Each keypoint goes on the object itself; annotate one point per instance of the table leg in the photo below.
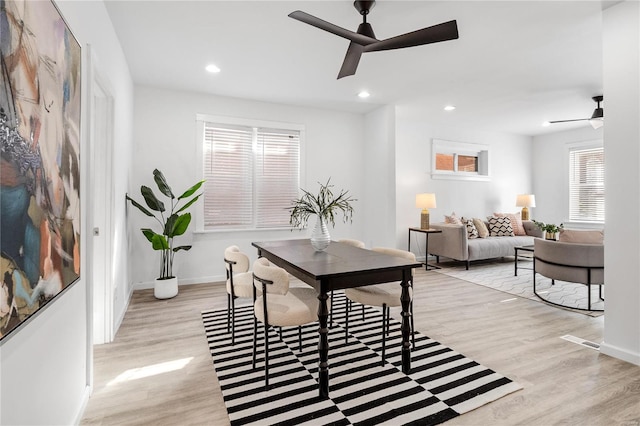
(405, 299)
(323, 344)
(515, 262)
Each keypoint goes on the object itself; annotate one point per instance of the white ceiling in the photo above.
(515, 65)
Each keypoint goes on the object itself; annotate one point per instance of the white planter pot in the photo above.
(165, 289)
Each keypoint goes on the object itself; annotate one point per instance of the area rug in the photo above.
(499, 275)
(443, 383)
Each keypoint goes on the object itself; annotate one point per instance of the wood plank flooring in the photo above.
(159, 371)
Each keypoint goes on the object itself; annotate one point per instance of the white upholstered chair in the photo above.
(279, 305)
(239, 283)
(384, 295)
(354, 243)
(574, 262)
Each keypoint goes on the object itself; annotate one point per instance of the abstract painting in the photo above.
(39, 161)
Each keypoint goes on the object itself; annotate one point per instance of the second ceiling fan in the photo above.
(597, 118)
(364, 40)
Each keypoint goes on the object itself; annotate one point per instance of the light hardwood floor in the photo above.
(159, 371)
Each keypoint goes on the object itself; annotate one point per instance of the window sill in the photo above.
(247, 230)
(482, 178)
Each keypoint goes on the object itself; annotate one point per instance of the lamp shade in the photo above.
(426, 201)
(526, 200)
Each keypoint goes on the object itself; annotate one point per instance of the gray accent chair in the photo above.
(570, 262)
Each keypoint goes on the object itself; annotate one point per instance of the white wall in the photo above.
(551, 172)
(45, 367)
(622, 154)
(510, 169)
(379, 176)
(165, 135)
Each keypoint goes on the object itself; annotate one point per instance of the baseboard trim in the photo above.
(83, 404)
(186, 281)
(620, 353)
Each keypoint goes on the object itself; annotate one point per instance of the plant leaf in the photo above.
(189, 192)
(181, 224)
(159, 242)
(151, 199)
(163, 186)
(148, 233)
(193, 200)
(139, 206)
(185, 248)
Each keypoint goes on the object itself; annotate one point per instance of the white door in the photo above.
(100, 204)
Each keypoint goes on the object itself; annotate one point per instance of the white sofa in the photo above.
(454, 244)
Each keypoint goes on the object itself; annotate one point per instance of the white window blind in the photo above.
(277, 171)
(586, 185)
(252, 175)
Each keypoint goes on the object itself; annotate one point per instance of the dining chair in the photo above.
(354, 243)
(278, 304)
(385, 295)
(239, 283)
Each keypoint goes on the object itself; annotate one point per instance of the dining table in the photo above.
(337, 267)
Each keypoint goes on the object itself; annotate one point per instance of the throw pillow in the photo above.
(483, 232)
(500, 227)
(472, 231)
(516, 222)
(581, 237)
(453, 219)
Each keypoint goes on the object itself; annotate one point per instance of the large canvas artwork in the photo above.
(39, 164)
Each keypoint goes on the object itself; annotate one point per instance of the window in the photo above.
(252, 173)
(455, 160)
(586, 184)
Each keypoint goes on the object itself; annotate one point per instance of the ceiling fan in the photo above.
(364, 40)
(597, 118)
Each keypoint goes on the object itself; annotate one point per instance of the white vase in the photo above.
(320, 237)
(165, 289)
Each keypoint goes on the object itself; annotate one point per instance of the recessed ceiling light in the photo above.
(212, 68)
(449, 108)
(546, 124)
(364, 94)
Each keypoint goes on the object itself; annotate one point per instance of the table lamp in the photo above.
(524, 201)
(425, 202)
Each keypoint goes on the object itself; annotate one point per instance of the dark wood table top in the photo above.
(340, 265)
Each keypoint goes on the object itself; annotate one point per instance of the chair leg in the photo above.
(362, 312)
(600, 292)
(266, 356)
(331, 311)
(255, 340)
(347, 307)
(384, 331)
(228, 312)
(299, 338)
(233, 321)
(413, 328)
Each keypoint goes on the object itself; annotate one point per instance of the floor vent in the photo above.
(580, 341)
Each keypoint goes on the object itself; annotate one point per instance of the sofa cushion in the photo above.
(516, 222)
(453, 219)
(581, 236)
(494, 247)
(483, 232)
(472, 231)
(500, 227)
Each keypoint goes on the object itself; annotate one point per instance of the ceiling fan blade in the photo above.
(333, 29)
(437, 33)
(568, 121)
(351, 60)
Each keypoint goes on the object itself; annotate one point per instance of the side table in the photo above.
(528, 249)
(426, 232)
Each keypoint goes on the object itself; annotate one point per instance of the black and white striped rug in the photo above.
(442, 385)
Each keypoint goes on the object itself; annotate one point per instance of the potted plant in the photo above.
(325, 205)
(550, 229)
(173, 222)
